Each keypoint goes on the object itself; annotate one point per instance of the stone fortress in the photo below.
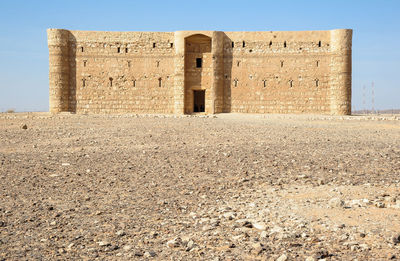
(208, 72)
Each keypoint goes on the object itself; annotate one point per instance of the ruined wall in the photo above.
(153, 72)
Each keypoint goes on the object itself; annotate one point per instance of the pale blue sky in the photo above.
(24, 53)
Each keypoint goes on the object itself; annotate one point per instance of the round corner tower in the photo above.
(58, 69)
(340, 79)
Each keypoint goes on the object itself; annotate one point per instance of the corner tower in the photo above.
(58, 70)
(340, 77)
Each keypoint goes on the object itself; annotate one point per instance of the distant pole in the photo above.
(373, 98)
(364, 106)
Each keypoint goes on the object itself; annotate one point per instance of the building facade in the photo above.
(209, 72)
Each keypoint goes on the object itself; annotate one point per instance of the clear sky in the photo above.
(24, 53)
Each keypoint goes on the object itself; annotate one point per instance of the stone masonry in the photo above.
(187, 72)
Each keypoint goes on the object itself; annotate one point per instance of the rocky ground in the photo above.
(224, 187)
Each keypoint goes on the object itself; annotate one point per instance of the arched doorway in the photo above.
(198, 73)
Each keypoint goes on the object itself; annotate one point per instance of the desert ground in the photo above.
(217, 187)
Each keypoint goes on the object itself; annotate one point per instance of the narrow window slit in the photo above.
(244, 44)
(119, 49)
(82, 49)
(235, 82)
(233, 44)
(111, 81)
(159, 82)
(126, 50)
(83, 82)
(319, 44)
(84, 63)
(281, 64)
(284, 44)
(270, 44)
(316, 82)
(171, 45)
(134, 82)
(291, 83)
(317, 63)
(154, 45)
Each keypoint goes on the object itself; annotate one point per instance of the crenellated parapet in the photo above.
(340, 76)
(59, 71)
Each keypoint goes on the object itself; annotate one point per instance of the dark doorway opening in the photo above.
(199, 62)
(199, 98)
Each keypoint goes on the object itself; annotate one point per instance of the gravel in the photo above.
(221, 187)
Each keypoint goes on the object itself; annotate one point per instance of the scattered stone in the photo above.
(336, 202)
(24, 127)
(121, 233)
(260, 226)
(283, 257)
(149, 254)
(176, 242)
(127, 248)
(138, 253)
(104, 243)
(257, 248)
(264, 234)
(396, 239)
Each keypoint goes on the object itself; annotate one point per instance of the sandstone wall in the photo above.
(155, 72)
(278, 72)
(120, 72)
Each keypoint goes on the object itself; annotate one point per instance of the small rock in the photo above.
(104, 243)
(176, 242)
(70, 246)
(127, 248)
(229, 215)
(260, 226)
(283, 257)
(257, 248)
(247, 224)
(121, 233)
(264, 234)
(139, 253)
(149, 254)
(336, 202)
(24, 127)
(396, 239)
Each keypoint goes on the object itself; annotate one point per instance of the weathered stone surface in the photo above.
(200, 71)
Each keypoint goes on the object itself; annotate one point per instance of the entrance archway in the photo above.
(198, 73)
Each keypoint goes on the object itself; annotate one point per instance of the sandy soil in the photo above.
(224, 187)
